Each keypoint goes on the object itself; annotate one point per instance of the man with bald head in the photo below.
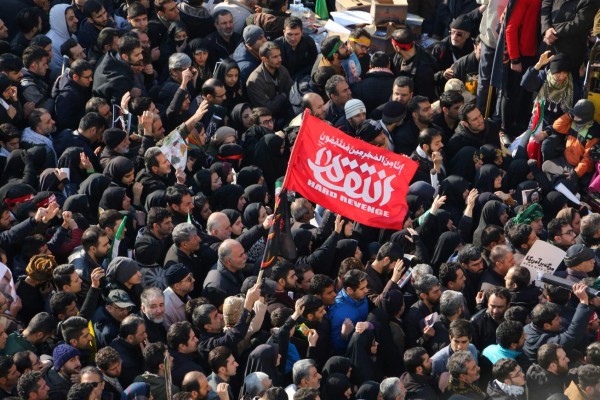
(196, 384)
(315, 104)
(227, 274)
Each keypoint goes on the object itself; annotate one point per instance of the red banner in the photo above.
(350, 177)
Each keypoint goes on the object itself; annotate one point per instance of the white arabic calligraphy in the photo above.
(332, 172)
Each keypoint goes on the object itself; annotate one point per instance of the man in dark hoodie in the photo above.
(509, 382)
(550, 374)
(417, 379)
(70, 93)
(114, 74)
(473, 130)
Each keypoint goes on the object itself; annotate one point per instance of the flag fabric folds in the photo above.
(280, 241)
(365, 183)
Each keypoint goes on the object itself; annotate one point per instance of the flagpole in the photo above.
(287, 172)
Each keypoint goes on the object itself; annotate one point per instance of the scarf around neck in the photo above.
(557, 95)
(511, 390)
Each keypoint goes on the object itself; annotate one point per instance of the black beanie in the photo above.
(113, 137)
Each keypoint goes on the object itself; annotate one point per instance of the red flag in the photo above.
(280, 241)
(350, 177)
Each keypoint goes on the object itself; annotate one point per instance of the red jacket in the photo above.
(522, 29)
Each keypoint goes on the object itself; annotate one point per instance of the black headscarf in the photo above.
(112, 198)
(93, 187)
(202, 182)
(368, 391)
(336, 385)
(463, 164)
(345, 248)
(453, 188)
(236, 116)
(485, 177)
(232, 215)
(248, 176)
(336, 364)
(71, 158)
(251, 214)
(256, 193)
(302, 239)
(117, 168)
(516, 172)
(15, 167)
(553, 202)
(155, 199)
(49, 181)
(268, 158)
(264, 359)
(226, 196)
(359, 352)
(79, 203)
(444, 248)
(489, 153)
(490, 215)
(222, 169)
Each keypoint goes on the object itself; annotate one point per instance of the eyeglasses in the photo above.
(267, 122)
(189, 278)
(569, 232)
(457, 33)
(95, 384)
(86, 77)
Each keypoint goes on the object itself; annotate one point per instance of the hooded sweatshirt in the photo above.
(58, 33)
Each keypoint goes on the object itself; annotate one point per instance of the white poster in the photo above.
(543, 257)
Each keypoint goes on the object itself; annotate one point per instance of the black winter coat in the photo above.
(112, 78)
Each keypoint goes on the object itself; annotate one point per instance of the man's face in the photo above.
(458, 37)
(238, 257)
(224, 229)
(186, 285)
(75, 285)
(517, 377)
(43, 389)
(6, 220)
(96, 380)
(224, 25)
(292, 36)
(320, 313)
(117, 312)
(165, 228)
(140, 22)
(505, 264)
(360, 292)
(77, 53)
(114, 370)
(71, 21)
(170, 12)
(497, 306)
(3, 30)
(436, 144)
(71, 310)
(73, 366)
(343, 93)
(328, 295)
(194, 243)
(433, 297)
(274, 60)
(40, 67)
(155, 309)
(459, 284)
(216, 322)
(532, 238)
(86, 78)
(567, 236)
(357, 119)
(475, 266)
(460, 343)
(140, 335)
(452, 111)
(401, 94)
(84, 340)
(266, 121)
(317, 107)
(164, 166)
(220, 95)
(425, 114)
(291, 279)
(12, 144)
(563, 362)
(314, 378)
(204, 387)
(46, 125)
(135, 57)
(102, 247)
(192, 344)
(306, 279)
(231, 366)
(427, 365)
(3, 337)
(475, 121)
(361, 46)
(472, 374)
(343, 52)
(99, 19)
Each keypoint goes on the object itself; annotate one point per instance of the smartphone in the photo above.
(405, 278)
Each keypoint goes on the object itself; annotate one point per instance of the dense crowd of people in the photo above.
(123, 276)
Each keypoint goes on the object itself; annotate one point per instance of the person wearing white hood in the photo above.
(63, 26)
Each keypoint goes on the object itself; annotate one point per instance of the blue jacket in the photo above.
(345, 307)
(494, 352)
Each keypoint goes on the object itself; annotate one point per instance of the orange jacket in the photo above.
(576, 153)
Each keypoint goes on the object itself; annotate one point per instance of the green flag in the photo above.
(114, 248)
(321, 9)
